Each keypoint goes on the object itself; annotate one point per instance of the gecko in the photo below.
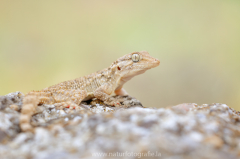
(100, 85)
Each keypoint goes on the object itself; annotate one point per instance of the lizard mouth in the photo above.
(154, 63)
(148, 65)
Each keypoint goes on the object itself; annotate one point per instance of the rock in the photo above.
(11, 98)
(129, 131)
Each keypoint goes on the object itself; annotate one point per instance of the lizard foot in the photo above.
(69, 105)
(113, 102)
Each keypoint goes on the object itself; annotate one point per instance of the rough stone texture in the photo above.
(181, 132)
(11, 98)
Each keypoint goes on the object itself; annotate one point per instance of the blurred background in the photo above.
(198, 43)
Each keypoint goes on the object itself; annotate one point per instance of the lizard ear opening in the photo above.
(119, 68)
(135, 57)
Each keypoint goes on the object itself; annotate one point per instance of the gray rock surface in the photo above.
(130, 131)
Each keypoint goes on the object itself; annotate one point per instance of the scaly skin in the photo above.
(100, 85)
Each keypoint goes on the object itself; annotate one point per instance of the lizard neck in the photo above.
(122, 80)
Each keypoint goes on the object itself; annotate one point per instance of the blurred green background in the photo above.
(197, 41)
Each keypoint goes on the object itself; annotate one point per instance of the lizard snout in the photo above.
(156, 61)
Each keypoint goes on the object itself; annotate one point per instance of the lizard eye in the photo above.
(135, 57)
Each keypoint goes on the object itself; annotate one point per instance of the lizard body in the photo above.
(100, 85)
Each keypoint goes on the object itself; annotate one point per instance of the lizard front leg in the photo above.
(121, 92)
(103, 93)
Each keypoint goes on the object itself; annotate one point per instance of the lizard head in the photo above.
(134, 64)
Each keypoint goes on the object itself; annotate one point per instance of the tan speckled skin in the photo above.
(100, 84)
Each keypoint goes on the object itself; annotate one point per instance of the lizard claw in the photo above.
(113, 103)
